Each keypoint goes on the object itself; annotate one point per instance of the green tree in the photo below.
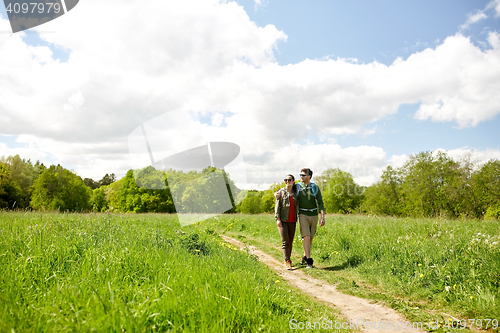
(251, 203)
(486, 187)
(210, 191)
(149, 193)
(10, 192)
(340, 192)
(107, 179)
(431, 185)
(91, 183)
(384, 197)
(268, 200)
(112, 193)
(99, 202)
(59, 188)
(23, 173)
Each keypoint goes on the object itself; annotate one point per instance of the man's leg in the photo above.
(313, 222)
(305, 231)
(307, 246)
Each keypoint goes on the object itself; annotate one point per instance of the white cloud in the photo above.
(473, 18)
(208, 55)
(478, 157)
(259, 3)
(365, 163)
(217, 119)
(479, 15)
(27, 152)
(494, 4)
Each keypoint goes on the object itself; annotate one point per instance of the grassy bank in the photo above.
(136, 273)
(441, 266)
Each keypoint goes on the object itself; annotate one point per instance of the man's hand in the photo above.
(322, 220)
(278, 223)
(277, 195)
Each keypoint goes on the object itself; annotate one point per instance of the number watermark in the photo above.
(26, 14)
(452, 323)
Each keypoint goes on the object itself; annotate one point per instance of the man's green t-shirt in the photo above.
(308, 204)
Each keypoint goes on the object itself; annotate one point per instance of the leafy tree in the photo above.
(384, 197)
(486, 187)
(340, 192)
(431, 185)
(23, 173)
(107, 179)
(99, 202)
(112, 193)
(59, 188)
(251, 203)
(91, 183)
(268, 200)
(148, 196)
(10, 192)
(205, 192)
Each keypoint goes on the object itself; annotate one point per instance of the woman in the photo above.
(285, 212)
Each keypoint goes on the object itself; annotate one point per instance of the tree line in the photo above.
(429, 184)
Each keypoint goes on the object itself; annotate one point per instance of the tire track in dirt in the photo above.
(352, 308)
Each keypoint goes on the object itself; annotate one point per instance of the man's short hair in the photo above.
(307, 172)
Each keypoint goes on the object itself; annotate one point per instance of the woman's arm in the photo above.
(277, 210)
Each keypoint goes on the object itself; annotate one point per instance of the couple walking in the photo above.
(302, 200)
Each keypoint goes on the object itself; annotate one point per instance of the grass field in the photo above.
(136, 273)
(425, 268)
(143, 273)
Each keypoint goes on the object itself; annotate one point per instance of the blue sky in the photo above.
(382, 31)
(365, 30)
(357, 84)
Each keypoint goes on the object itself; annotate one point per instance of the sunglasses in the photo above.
(288, 180)
(302, 175)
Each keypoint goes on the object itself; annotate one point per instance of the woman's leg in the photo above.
(284, 238)
(291, 236)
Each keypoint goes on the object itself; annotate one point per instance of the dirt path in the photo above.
(358, 310)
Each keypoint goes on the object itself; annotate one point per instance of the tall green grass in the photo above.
(453, 264)
(135, 273)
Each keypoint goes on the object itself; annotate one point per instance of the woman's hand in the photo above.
(278, 223)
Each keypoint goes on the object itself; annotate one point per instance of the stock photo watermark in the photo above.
(451, 323)
(204, 176)
(26, 14)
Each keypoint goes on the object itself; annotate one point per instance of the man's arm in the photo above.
(321, 206)
(322, 220)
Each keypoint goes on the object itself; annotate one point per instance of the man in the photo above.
(310, 202)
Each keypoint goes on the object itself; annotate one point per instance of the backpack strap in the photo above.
(313, 188)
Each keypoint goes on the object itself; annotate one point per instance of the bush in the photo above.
(492, 213)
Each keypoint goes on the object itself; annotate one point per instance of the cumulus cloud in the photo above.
(477, 157)
(208, 56)
(28, 152)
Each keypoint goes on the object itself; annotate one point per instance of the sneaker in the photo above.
(310, 262)
(289, 265)
(304, 260)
